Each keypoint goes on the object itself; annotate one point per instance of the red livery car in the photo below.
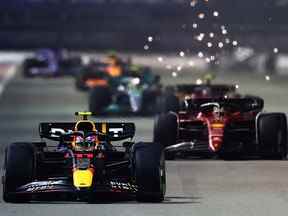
(222, 127)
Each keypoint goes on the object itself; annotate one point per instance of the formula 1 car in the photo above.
(85, 165)
(228, 128)
(174, 97)
(120, 88)
(113, 66)
(127, 95)
(48, 63)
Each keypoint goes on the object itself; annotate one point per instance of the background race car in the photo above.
(227, 128)
(112, 66)
(50, 63)
(118, 87)
(88, 164)
(130, 94)
(174, 96)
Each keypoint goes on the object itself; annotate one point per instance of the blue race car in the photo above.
(50, 63)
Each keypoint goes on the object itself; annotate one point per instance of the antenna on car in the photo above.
(83, 115)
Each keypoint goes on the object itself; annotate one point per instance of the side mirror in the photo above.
(253, 103)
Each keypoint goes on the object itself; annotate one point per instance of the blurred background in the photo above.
(253, 32)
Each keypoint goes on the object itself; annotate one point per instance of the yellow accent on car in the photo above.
(217, 125)
(104, 128)
(82, 178)
(114, 71)
(83, 113)
(86, 122)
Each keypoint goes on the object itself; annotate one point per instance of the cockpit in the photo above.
(85, 136)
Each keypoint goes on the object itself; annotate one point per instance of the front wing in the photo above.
(53, 187)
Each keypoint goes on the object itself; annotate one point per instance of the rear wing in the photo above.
(216, 89)
(245, 104)
(114, 131)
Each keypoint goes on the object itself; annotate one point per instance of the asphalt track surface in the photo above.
(195, 187)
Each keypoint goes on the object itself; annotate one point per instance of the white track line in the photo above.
(7, 76)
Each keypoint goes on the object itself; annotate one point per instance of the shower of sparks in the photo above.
(199, 38)
(214, 41)
(215, 13)
(174, 74)
(146, 47)
(220, 45)
(179, 68)
(150, 39)
(224, 32)
(200, 54)
(199, 82)
(193, 3)
(201, 15)
(235, 43)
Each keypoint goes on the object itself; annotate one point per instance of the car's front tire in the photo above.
(150, 173)
(19, 167)
(169, 102)
(99, 99)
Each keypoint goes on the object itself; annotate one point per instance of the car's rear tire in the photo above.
(99, 99)
(149, 101)
(272, 134)
(80, 82)
(19, 167)
(27, 64)
(169, 102)
(165, 132)
(150, 173)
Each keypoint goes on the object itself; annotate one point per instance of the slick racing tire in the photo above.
(165, 132)
(148, 103)
(169, 102)
(165, 129)
(150, 173)
(80, 82)
(18, 170)
(272, 134)
(27, 64)
(100, 98)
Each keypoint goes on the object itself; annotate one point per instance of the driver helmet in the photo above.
(85, 143)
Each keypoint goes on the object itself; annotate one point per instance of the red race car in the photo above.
(222, 127)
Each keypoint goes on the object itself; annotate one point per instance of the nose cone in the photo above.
(82, 178)
(216, 143)
(216, 133)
